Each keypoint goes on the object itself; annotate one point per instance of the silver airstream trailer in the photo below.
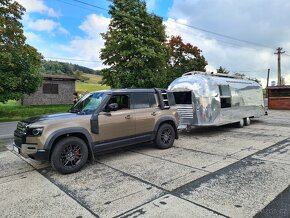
(205, 99)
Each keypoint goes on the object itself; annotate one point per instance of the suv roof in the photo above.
(129, 90)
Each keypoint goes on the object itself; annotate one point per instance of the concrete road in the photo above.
(213, 172)
(7, 129)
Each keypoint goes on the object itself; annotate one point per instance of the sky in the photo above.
(241, 36)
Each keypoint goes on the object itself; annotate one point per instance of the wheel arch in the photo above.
(168, 119)
(58, 135)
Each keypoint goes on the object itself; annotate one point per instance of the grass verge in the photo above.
(13, 112)
(2, 147)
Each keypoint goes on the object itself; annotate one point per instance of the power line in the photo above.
(193, 27)
(72, 59)
(91, 5)
(222, 35)
(78, 6)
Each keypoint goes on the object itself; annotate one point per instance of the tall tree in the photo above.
(19, 62)
(184, 58)
(135, 47)
(222, 70)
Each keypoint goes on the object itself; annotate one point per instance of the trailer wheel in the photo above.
(247, 121)
(240, 124)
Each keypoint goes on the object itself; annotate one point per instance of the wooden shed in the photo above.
(279, 97)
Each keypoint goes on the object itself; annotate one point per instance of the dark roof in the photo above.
(57, 77)
(129, 90)
(278, 87)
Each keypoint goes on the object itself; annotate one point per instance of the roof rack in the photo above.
(212, 74)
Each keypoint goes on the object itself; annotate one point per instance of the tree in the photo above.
(242, 75)
(135, 50)
(19, 62)
(222, 70)
(184, 58)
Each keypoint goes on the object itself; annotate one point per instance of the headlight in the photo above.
(35, 131)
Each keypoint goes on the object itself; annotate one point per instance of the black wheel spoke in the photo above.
(67, 161)
(166, 136)
(71, 155)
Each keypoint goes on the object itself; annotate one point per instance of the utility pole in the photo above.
(279, 52)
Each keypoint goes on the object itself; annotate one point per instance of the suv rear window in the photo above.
(141, 100)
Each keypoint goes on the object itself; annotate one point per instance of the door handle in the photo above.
(153, 113)
(128, 117)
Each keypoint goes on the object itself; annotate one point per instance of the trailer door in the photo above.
(226, 103)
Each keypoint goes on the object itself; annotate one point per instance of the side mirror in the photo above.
(112, 107)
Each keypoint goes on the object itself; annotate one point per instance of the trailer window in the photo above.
(225, 95)
(182, 97)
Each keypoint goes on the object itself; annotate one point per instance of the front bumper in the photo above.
(31, 151)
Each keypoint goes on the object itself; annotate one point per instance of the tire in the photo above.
(247, 121)
(240, 124)
(165, 136)
(69, 155)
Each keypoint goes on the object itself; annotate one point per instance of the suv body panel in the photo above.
(100, 130)
(116, 124)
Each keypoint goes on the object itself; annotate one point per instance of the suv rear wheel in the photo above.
(165, 136)
(69, 155)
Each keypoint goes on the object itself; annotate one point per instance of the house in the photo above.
(56, 89)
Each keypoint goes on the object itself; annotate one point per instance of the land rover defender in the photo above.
(99, 121)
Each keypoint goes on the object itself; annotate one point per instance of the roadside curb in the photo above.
(6, 138)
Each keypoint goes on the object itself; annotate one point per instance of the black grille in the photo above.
(20, 134)
(21, 128)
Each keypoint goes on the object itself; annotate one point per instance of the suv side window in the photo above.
(141, 100)
(171, 99)
(123, 101)
(152, 100)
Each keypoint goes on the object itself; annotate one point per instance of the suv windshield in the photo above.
(88, 103)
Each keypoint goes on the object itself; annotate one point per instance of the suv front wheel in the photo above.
(69, 155)
(165, 136)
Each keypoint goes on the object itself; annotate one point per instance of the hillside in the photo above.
(88, 80)
(92, 83)
(56, 67)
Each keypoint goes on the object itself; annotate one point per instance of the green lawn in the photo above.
(2, 147)
(13, 112)
(93, 84)
(83, 87)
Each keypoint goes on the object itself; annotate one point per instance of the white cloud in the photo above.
(256, 21)
(89, 46)
(32, 37)
(38, 6)
(43, 25)
(94, 25)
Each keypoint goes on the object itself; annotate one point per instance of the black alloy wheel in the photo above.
(69, 155)
(165, 136)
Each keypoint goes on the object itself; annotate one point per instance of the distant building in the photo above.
(56, 89)
(279, 97)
